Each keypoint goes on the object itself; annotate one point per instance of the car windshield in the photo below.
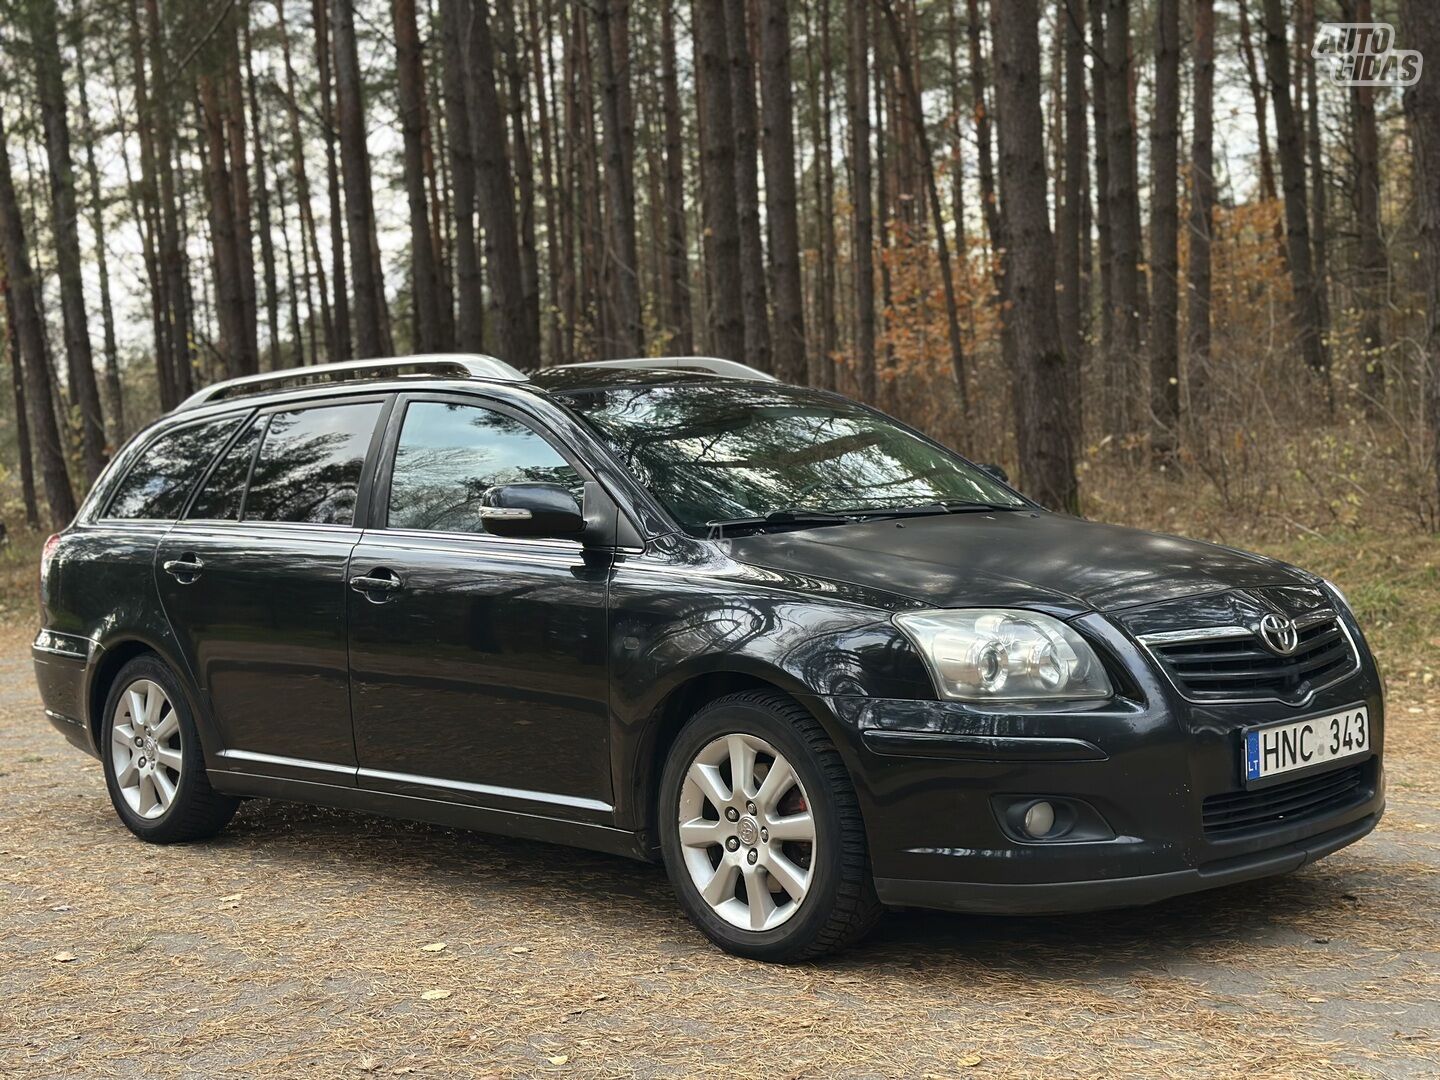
(715, 453)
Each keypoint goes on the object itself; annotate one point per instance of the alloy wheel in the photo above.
(146, 749)
(746, 832)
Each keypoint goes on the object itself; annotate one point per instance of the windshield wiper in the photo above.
(957, 506)
(797, 517)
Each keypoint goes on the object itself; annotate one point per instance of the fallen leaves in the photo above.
(64, 958)
(435, 995)
(433, 947)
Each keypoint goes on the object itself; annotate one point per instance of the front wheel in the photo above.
(154, 766)
(761, 832)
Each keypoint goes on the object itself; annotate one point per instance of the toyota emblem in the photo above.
(1279, 634)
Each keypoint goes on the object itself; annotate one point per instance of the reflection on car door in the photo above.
(253, 583)
(478, 673)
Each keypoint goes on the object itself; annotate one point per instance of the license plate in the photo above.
(1300, 744)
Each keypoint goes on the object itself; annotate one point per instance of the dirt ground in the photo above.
(309, 942)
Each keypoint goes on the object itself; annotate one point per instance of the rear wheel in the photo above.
(761, 831)
(154, 767)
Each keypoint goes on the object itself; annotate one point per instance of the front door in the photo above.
(253, 584)
(477, 663)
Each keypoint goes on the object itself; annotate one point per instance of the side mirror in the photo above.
(531, 511)
(996, 471)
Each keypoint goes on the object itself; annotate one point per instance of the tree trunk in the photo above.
(1420, 30)
(309, 235)
(515, 337)
(1122, 372)
(1319, 214)
(753, 299)
(524, 172)
(258, 128)
(113, 395)
(1164, 235)
(30, 337)
(1373, 269)
(1104, 241)
(778, 137)
(540, 39)
(1068, 215)
(145, 197)
(343, 349)
(230, 297)
(857, 105)
(1292, 178)
(622, 263)
(1257, 97)
(65, 219)
(22, 419)
(821, 370)
(717, 152)
(469, 290)
(359, 199)
(677, 263)
(909, 77)
(1045, 414)
(424, 269)
(235, 147)
(1202, 202)
(994, 227)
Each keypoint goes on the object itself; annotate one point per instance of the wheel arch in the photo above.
(681, 702)
(112, 657)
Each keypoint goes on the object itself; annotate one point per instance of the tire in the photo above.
(158, 801)
(837, 903)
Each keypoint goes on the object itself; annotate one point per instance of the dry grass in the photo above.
(293, 945)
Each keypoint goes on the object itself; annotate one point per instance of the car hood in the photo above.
(1014, 558)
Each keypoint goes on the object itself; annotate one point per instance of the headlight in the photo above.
(995, 654)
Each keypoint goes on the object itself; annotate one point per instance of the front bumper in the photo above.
(934, 778)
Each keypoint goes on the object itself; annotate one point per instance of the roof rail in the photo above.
(436, 365)
(709, 364)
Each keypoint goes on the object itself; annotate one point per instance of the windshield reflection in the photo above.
(714, 452)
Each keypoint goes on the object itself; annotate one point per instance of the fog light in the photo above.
(1039, 819)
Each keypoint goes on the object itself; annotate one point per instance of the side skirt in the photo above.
(437, 812)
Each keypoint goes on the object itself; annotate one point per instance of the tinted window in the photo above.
(224, 492)
(161, 478)
(712, 452)
(448, 455)
(308, 469)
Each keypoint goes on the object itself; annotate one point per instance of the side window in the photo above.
(308, 468)
(224, 493)
(157, 484)
(449, 455)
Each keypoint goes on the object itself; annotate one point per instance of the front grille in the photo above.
(1237, 666)
(1238, 812)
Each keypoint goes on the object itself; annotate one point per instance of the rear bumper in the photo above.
(1099, 894)
(62, 673)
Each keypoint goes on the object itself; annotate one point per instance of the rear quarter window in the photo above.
(157, 484)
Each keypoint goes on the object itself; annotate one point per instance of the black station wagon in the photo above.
(812, 660)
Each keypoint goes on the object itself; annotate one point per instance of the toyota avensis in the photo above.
(812, 660)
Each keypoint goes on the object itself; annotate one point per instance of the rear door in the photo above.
(479, 673)
(253, 582)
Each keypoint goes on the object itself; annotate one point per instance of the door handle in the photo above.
(184, 569)
(371, 583)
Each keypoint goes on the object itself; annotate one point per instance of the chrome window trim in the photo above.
(1222, 633)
